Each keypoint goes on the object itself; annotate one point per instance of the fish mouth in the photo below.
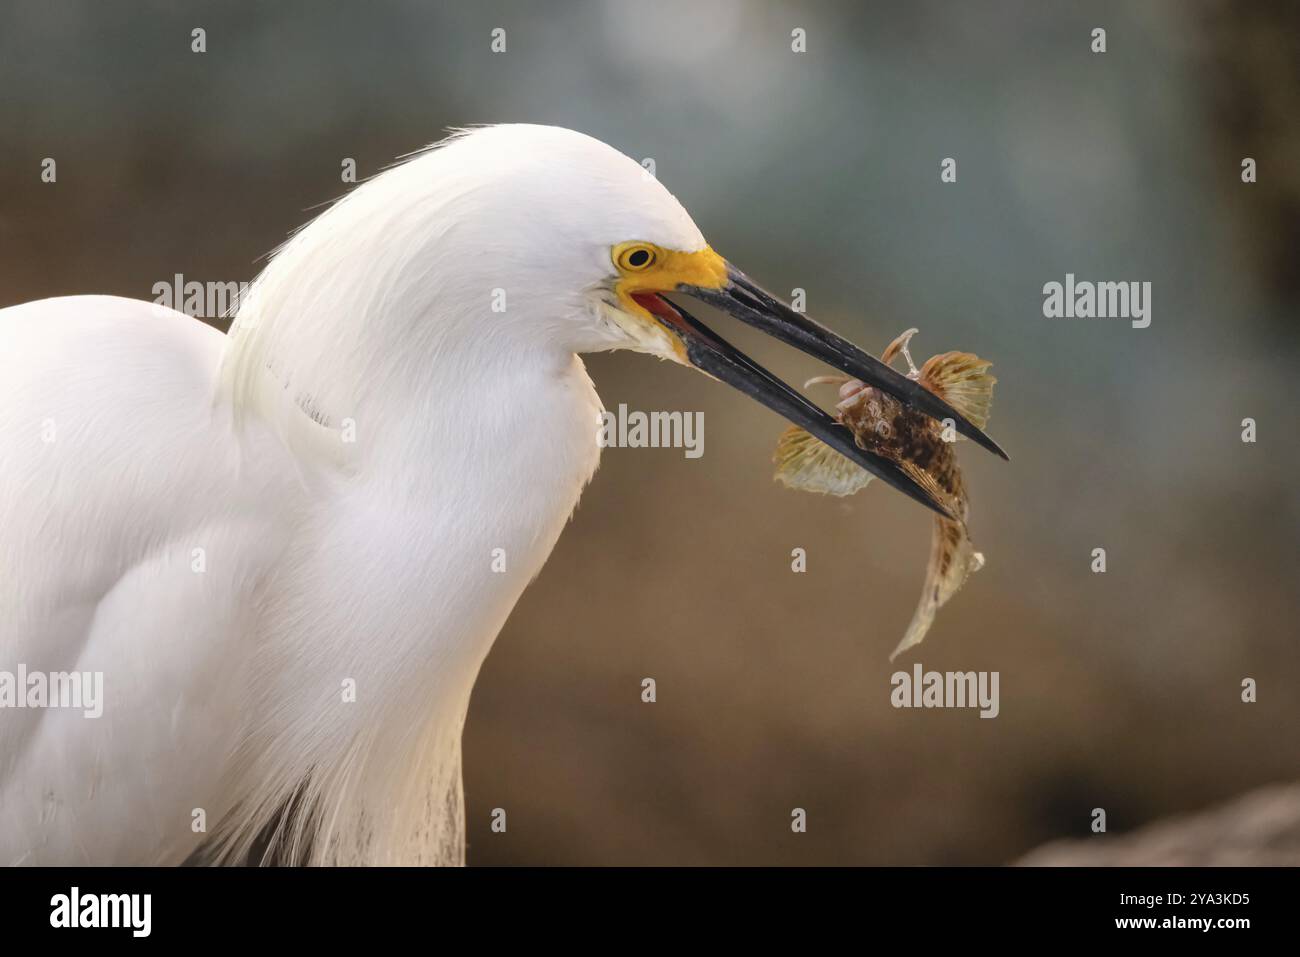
(713, 355)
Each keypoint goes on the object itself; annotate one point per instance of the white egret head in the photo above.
(519, 239)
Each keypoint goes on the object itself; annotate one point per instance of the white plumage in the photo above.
(289, 549)
(323, 561)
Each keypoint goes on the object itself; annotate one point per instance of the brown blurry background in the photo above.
(820, 171)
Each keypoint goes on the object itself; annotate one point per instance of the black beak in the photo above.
(710, 353)
(750, 303)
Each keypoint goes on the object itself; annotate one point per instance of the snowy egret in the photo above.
(288, 550)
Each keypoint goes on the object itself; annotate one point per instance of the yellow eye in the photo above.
(634, 257)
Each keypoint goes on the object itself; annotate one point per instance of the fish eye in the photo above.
(635, 257)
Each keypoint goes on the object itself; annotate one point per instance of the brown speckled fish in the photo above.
(921, 446)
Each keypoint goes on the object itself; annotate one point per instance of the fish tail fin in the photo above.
(952, 559)
(962, 380)
(804, 462)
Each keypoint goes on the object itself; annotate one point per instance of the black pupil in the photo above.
(638, 258)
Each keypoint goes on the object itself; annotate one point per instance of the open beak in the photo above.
(748, 302)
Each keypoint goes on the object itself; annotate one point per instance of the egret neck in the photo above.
(442, 447)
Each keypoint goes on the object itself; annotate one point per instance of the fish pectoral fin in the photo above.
(809, 465)
(962, 380)
(952, 559)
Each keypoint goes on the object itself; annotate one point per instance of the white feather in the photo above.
(329, 563)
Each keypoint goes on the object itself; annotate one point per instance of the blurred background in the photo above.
(817, 170)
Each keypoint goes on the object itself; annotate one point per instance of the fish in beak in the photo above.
(744, 299)
(919, 446)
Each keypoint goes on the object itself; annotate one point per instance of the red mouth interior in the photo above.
(657, 305)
